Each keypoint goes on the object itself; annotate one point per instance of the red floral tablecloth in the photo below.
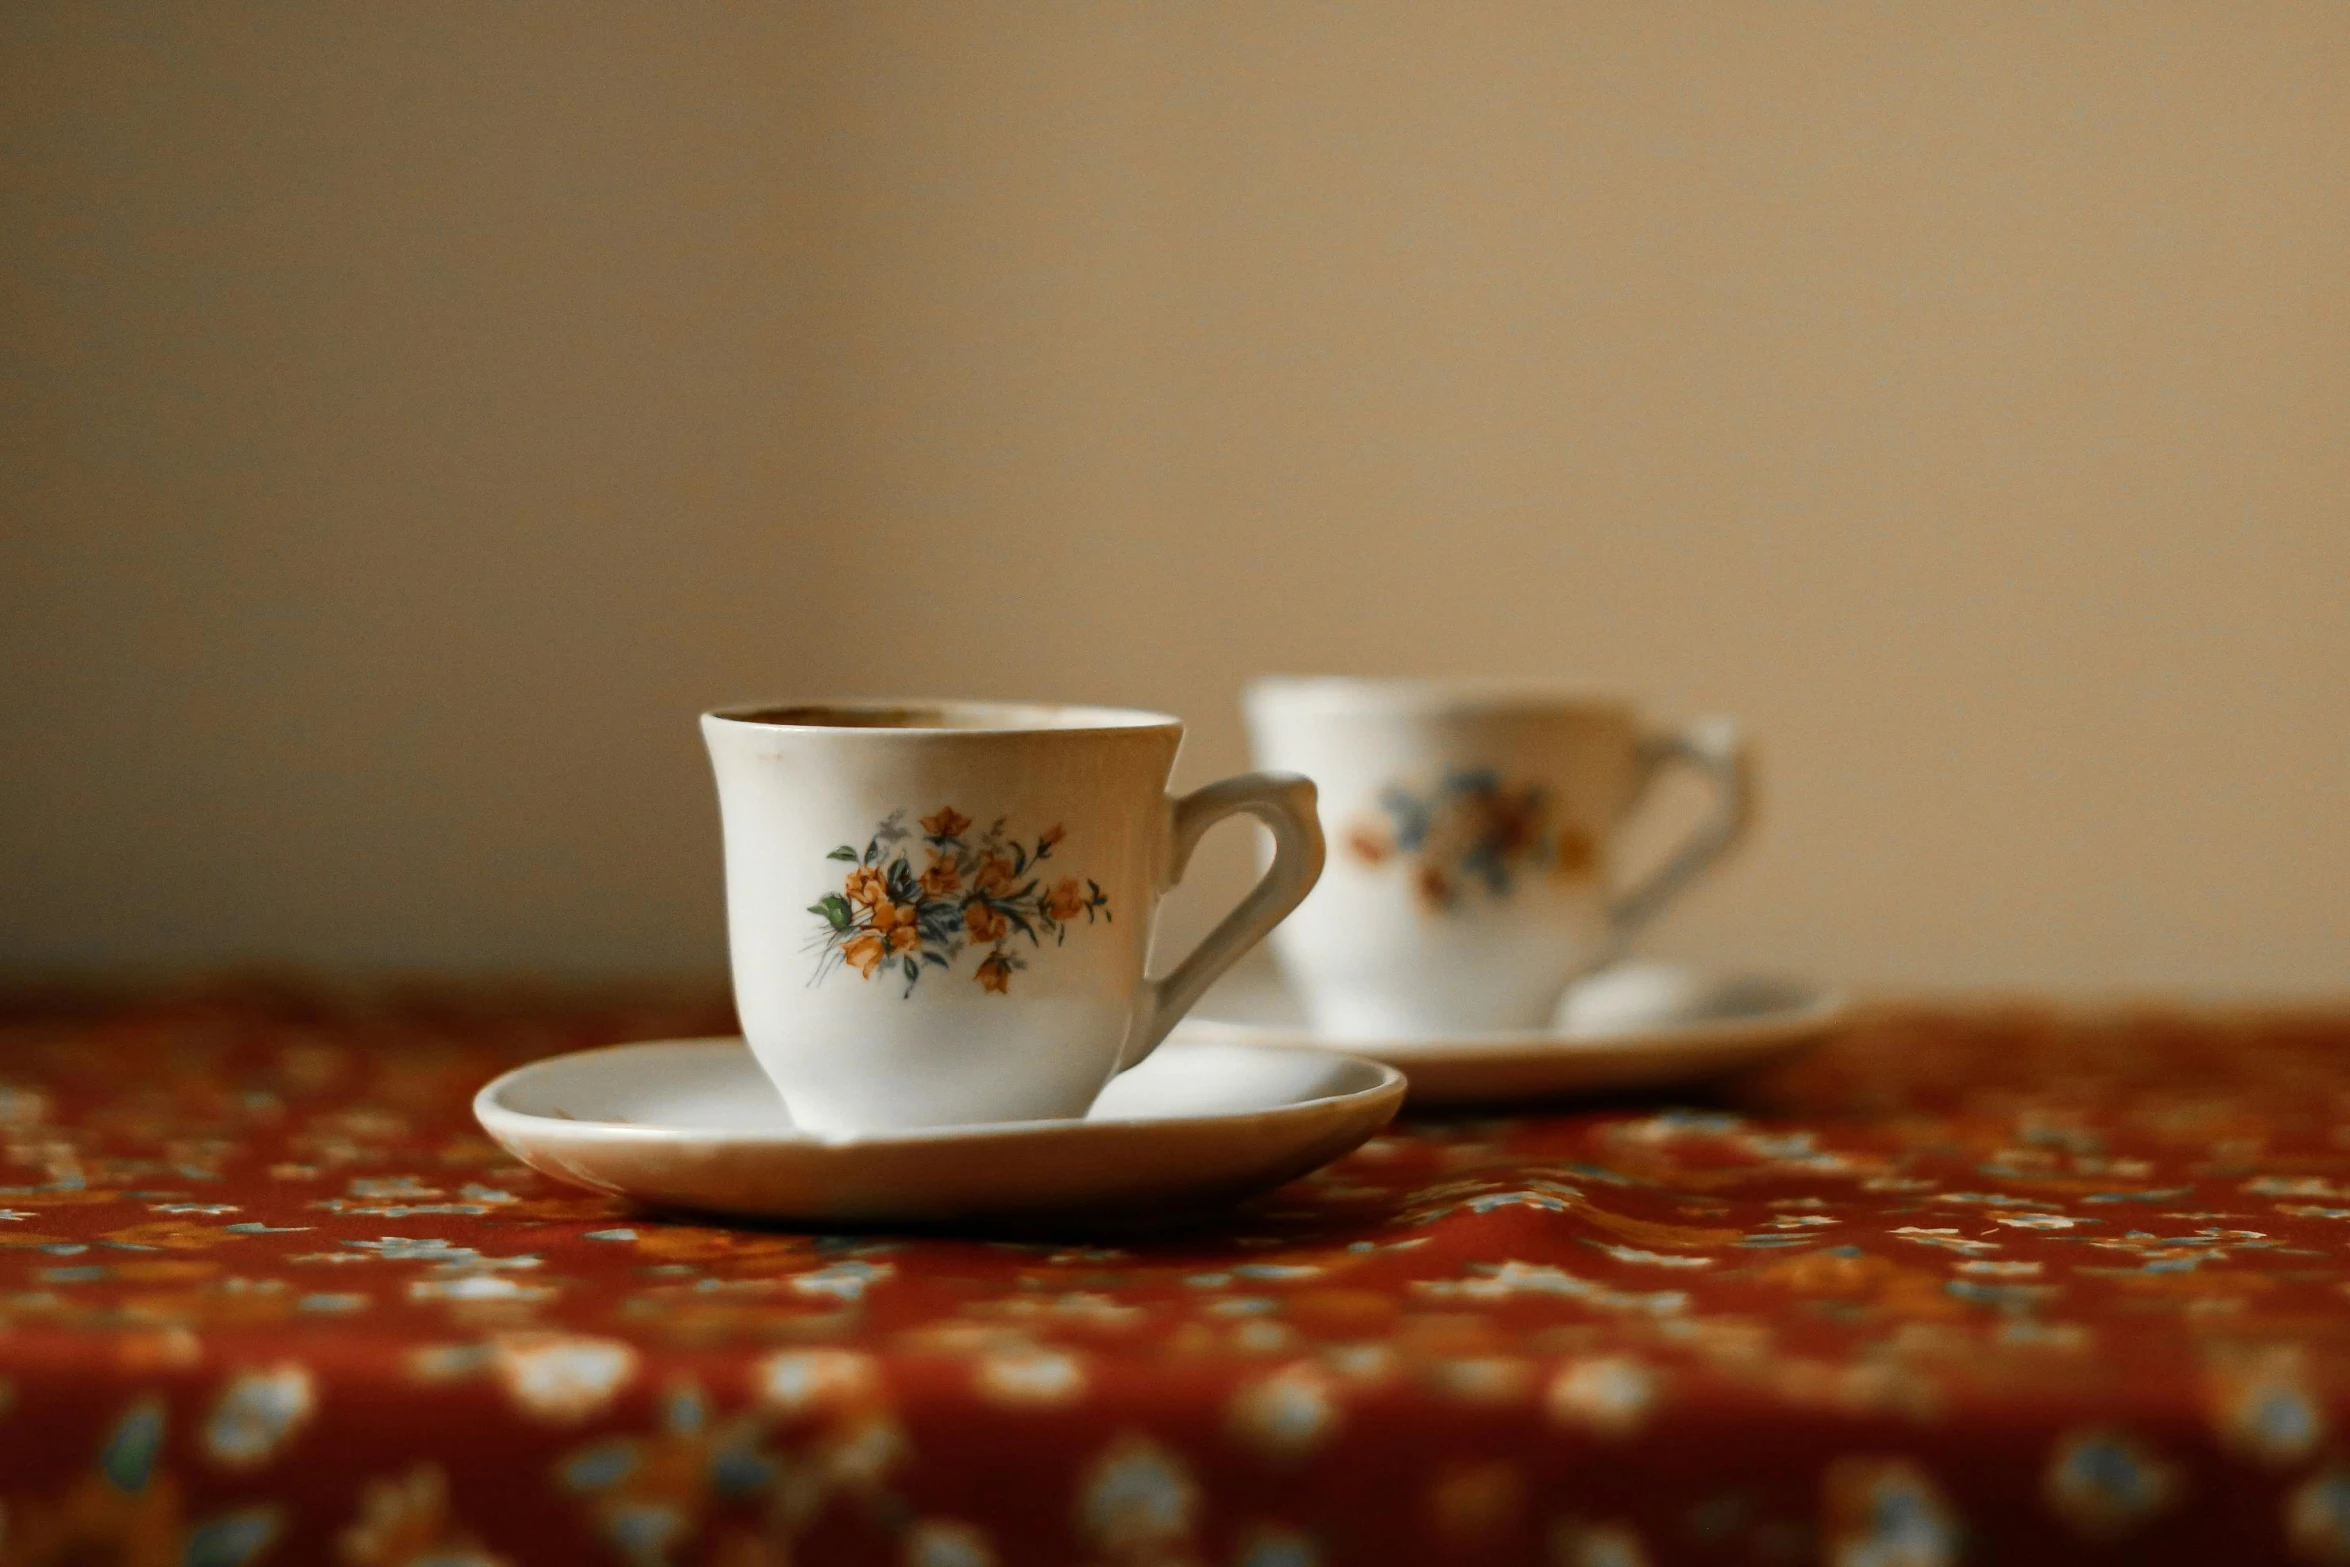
(1991, 1287)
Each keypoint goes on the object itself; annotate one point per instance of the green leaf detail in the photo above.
(833, 907)
(129, 1454)
(232, 1539)
(844, 852)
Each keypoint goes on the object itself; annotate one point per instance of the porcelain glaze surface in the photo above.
(694, 1124)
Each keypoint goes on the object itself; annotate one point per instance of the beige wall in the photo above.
(413, 414)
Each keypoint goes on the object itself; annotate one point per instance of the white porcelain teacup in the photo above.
(1473, 824)
(939, 912)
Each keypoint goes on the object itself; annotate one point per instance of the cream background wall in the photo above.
(409, 417)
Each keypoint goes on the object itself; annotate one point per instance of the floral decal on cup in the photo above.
(896, 918)
(1472, 832)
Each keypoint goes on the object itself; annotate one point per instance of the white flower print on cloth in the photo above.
(800, 1381)
(1610, 1395)
(1137, 1497)
(258, 1412)
(404, 1521)
(860, 1455)
(1501, 1280)
(561, 1378)
(1651, 1259)
(1029, 1375)
(480, 1287)
(648, 1494)
(1944, 1237)
(1365, 1364)
(2262, 1406)
(1287, 1414)
(2106, 1482)
(1886, 1512)
(843, 1280)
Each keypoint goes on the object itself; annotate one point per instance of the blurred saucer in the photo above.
(695, 1124)
(1635, 1026)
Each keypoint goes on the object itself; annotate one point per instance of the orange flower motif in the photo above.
(1576, 852)
(902, 919)
(1066, 902)
(894, 923)
(894, 927)
(1434, 889)
(1368, 844)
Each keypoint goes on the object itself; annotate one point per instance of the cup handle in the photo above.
(1285, 803)
(1715, 748)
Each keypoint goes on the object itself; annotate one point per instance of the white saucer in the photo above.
(695, 1124)
(1635, 1026)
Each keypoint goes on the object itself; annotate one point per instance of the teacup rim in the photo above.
(995, 717)
(1430, 693)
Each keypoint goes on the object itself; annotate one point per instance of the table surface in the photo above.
(1964, 1285)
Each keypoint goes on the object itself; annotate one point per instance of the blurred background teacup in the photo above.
(1473, 830)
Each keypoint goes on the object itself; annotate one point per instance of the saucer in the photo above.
(694, 1124)
(1635, 1026)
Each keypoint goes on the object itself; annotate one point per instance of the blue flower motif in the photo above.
(2106, 1482)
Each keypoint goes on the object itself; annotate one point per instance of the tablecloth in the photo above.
(1979, 1284)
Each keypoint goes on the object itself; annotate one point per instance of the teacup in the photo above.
(939, 913)
(1473, 827)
